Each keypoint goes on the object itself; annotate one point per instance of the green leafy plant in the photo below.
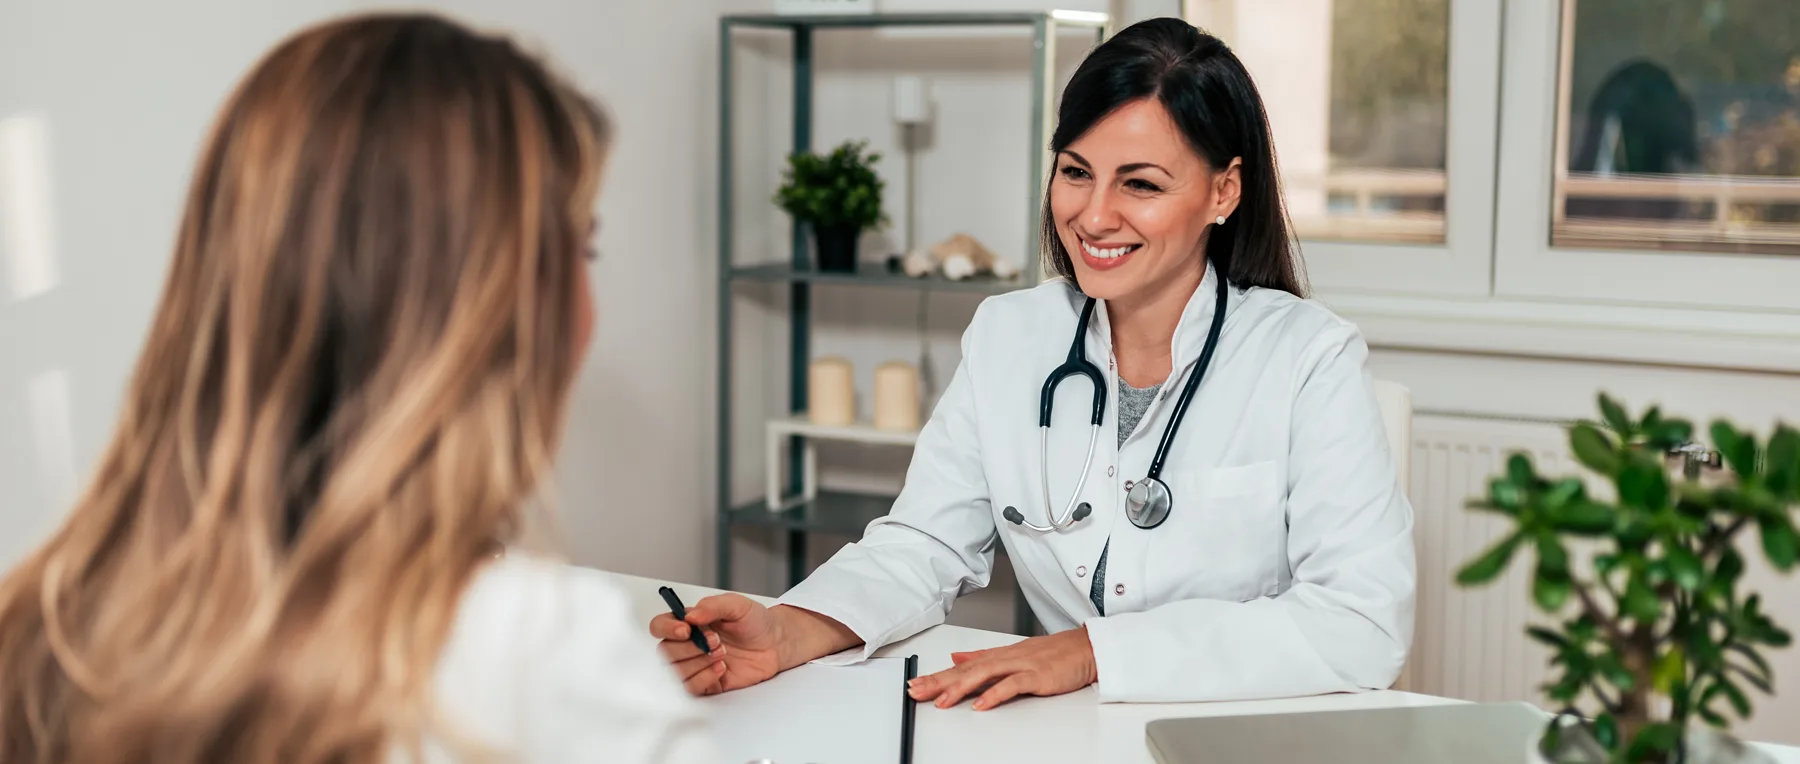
(1656, 629)
(833, 190)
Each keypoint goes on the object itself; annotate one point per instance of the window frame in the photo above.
(1463, 263)
(1527, 266)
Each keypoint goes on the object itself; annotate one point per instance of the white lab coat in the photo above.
(1285, 569)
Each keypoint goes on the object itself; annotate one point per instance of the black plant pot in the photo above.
(836, 247)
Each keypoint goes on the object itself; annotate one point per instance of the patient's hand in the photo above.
(742, 634)
(750, 642)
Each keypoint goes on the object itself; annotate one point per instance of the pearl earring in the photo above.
(1220, 220)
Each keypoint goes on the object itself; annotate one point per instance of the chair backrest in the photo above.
(1395, 401)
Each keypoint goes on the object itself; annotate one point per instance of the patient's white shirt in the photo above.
(546, 663)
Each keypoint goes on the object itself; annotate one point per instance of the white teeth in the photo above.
(1106, 254)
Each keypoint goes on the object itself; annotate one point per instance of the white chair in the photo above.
(1395, 401)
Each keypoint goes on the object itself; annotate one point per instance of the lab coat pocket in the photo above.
(1235, 533)
(1259, 478)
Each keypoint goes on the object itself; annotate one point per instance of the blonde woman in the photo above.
(354, 381)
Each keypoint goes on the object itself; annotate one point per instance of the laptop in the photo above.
(1464, 733)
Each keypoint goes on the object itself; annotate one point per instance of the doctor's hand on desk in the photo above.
(750, 643)
(1048, 665)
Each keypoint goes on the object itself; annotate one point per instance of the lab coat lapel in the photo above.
(1196, 319)
(1190, 334)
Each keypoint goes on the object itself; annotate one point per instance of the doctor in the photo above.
(1211, 513)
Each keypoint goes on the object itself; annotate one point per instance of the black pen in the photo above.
(680, 613)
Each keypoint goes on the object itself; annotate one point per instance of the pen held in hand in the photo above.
(680, 613)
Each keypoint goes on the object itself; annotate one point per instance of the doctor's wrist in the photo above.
(803, 635)
(1090, 667)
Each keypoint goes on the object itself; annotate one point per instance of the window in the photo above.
(1650, 154)
(1384, 173)
(1616, 156)
(1679, 127)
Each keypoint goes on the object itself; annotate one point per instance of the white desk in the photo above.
(1066, 728)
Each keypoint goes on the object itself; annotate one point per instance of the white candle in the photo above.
(831, 392)
(896, 397)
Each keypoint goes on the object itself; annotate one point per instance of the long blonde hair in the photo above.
(354, 381)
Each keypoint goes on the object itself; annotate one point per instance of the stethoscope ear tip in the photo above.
(1013, 515)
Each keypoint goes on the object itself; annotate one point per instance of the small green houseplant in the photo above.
(1655, 629)
(838, 195)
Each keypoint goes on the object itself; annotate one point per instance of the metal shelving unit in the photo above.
(836, 512)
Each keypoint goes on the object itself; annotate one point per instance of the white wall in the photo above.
(123, 92)
(636, 485)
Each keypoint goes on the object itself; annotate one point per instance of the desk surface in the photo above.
(1067, 728)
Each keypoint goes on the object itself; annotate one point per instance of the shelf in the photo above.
(861, 432)
(1086, 19)
(838, 512)
(876, 276)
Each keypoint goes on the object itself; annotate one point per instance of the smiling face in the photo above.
(1132, 202)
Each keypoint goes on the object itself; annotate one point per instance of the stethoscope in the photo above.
(1148, 502)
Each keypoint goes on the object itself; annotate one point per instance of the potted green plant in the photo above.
(838, 195)
(1654, 629)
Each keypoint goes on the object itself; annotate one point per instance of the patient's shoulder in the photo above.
(546, 662)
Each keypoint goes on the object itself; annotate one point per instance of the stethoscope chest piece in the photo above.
(1148, 502)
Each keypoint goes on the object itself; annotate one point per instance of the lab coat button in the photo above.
(1081, 571)
(1109, 472)
(1119, 589)
(1128, 485)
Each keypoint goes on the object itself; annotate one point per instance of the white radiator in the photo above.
(1471, 643)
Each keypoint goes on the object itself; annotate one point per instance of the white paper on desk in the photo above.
(814, 714)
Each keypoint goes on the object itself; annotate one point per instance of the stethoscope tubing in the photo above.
(1188, 390)
(1077, 364)
(1073, 513)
